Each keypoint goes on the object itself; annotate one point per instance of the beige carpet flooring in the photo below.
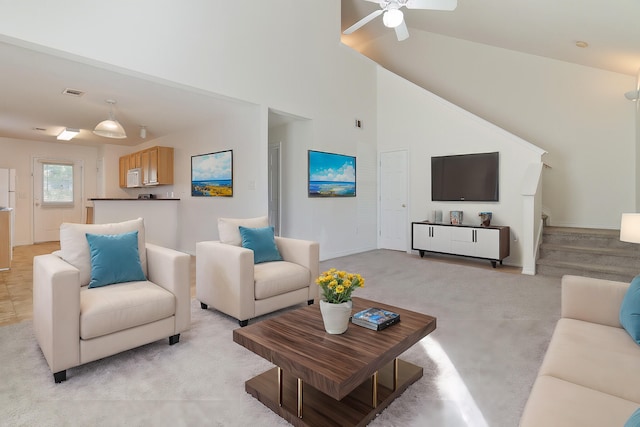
(480, 363)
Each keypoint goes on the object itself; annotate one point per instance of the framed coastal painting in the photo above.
(331, 175)
(212, 174)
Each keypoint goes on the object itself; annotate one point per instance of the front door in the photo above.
(57, 196)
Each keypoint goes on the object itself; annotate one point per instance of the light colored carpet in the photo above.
(480, 363)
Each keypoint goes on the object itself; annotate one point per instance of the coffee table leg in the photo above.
(280, 385)
(395, 374)
(374, 390)
(299, 398)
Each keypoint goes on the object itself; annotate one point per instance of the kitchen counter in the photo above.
(160, 217)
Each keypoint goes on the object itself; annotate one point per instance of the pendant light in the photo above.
(110, 128)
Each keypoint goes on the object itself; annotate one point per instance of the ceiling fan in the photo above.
(393, 17)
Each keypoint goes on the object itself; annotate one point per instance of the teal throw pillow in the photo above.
(262, 242)
(634, 420)
(114, 259)
(630, 310)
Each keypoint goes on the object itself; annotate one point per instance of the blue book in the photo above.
(375, 318)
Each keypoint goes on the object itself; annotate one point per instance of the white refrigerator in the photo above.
(8, 188)
(8, 200)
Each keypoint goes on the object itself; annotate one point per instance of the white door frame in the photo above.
(405, 218)
(275, 173)
(78, 192)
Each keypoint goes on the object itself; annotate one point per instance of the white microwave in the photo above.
(134, 178)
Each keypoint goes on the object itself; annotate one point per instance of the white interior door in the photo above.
(274, 187)
(57, 196)
(394, 227)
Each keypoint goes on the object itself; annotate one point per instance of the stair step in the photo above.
(587, 252)
(554, 268)
(589, 237)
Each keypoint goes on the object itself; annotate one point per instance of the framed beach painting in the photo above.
(212, 174)
(331, 175)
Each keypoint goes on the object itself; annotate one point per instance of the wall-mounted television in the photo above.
(465, 177)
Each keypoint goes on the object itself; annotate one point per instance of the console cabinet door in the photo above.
(463, 241)
(441, 238)
(487, 243)
(420, 237)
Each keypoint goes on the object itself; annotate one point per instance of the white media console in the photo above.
(490, 243)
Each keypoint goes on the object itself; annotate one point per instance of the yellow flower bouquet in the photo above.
(337, 286)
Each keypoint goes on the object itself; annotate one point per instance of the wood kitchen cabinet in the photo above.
(124, 168)
(135, 160)
(156, 164)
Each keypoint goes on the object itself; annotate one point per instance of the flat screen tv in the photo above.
(466, 177)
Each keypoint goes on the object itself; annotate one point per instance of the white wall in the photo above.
(426, 125)
(297, 66)
(578, 114)
(19, 155)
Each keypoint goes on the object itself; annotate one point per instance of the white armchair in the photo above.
(228, 280)
(75, 324)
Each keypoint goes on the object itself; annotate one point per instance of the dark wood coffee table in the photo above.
(332, 380)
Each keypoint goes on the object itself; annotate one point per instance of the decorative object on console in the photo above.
(455, 217)
(485, 218)
(212, 174)
(331, 175)
(335, 306)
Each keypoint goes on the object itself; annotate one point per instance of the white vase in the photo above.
(336, 316)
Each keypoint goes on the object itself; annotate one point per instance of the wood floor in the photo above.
(16, 296)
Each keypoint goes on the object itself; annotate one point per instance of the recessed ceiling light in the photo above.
(582, 44)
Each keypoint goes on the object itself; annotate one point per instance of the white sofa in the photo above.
(590, 375)
(75, 324)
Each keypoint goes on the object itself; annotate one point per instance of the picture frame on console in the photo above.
(331, 174)
(212, 174)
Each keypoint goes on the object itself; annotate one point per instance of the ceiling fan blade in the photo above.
(402, 32)
(363, 21)
(432, 4)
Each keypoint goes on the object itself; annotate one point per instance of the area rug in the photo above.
(493, 329)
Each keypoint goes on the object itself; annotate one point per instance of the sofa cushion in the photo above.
(114, 259)
(596, 356)
(630, 310)
(74, 247)
(228, 228)
(555, 402)
(634, 420)
(108, 309)
(279, 277)
(262, 242)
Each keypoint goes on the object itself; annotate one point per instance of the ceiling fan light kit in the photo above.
(392, 16)
(110, 128)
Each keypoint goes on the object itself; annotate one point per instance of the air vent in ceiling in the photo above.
(73, 92)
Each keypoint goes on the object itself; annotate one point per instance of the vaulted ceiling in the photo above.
(548, 28)
(33, 107)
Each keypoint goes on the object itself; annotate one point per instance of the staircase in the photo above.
(587, 252)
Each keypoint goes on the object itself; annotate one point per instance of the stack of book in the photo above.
(375, 318)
